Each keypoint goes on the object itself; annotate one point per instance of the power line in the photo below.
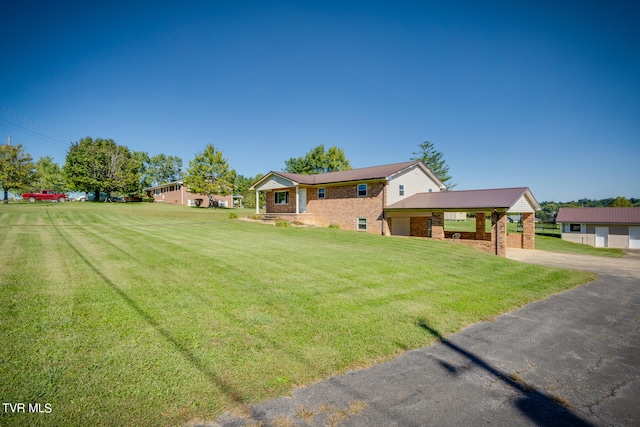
(33, 132)
(32, 123)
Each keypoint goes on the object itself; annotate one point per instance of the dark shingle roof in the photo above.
(600, 215)
(467, 199)
(360, 174)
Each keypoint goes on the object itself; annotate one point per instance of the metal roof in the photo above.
(599, 215)
(360, 174)
(498, 198)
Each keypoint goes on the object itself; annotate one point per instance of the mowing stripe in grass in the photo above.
(221, 383)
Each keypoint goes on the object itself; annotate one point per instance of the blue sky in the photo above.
(544, 94)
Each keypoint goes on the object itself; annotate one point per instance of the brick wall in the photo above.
(343, 207)
(286, 208)
(419, 226)
(514, 240)
(483, 245)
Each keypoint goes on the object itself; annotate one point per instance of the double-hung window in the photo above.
(401, 190)
(362, 224)
(281, 198)
(362, 190)
(321, 193)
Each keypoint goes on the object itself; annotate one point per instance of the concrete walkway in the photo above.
(570, 360)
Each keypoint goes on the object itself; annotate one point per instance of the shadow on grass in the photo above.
(539, 407)
(226, 388)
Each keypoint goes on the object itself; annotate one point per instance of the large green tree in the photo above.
(318, 161)
(49, 175)
(101, 165)
(209, 173)
(165, 168)
(17, 170)
(434, 160)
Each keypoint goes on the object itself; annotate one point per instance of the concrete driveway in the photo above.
(570, 360)
(629, 266)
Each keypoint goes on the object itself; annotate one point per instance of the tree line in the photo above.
(101, 165)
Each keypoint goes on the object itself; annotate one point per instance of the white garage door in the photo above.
(401, 226)
(634, 237)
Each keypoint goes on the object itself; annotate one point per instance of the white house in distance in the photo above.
(601, 227)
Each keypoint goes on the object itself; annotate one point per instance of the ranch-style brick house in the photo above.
(400, 199)
(601, 227)
(176, 193)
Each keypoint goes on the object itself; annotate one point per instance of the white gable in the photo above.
(275, 182)
(414, 179)
(521, 206)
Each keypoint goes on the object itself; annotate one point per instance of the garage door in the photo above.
(401, 226)
(634, 237)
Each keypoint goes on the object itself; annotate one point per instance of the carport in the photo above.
(422, 215)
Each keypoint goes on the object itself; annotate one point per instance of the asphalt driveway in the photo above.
(570, 360)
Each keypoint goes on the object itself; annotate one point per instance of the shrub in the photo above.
(232, 215)
(282, 223)
(148, 199)
(334, 226)
(255, 216)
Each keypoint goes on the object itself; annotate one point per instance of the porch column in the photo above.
(499, 232)
(528, 231)
(257, 202)
(481, 226)
(297, 199)
(437, 225)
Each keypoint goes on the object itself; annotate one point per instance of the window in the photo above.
(281, 198)
(575, 228)
(362, 190)
(401, 189)
(362, 224)
(321, 193)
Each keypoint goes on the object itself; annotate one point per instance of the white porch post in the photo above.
(257, 202)
(297, 199)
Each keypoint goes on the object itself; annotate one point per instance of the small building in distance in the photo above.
(601, 227)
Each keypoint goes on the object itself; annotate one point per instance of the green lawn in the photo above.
(143, 314)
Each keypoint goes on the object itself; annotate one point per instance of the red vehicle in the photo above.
(45, 195)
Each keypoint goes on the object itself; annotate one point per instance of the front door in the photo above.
(602, 237)
(303, 200)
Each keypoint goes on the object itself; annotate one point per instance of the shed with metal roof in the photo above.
(601, 227)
